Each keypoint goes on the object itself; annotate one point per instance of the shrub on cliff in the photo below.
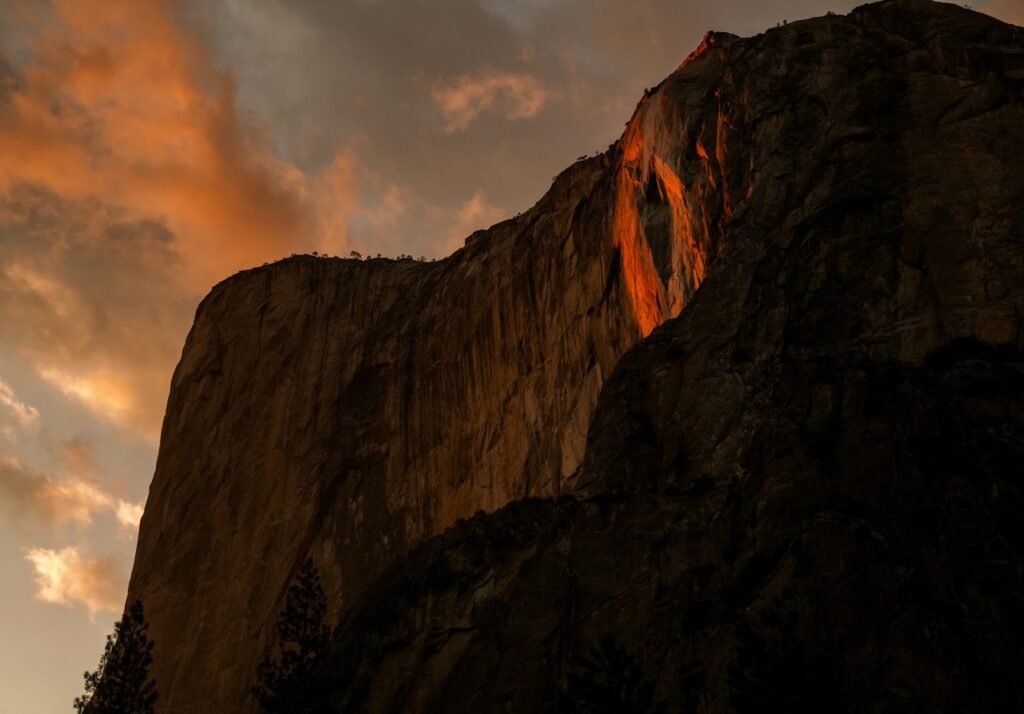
(286, 683)
(121, 683)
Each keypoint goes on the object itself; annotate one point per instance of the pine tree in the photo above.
(286, 683)
(121, 683)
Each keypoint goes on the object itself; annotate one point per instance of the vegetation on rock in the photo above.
(121, 683)
(286, 682)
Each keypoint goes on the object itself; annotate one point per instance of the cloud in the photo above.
(85, 120)
(71, 577)
(463, 98)
(15, 415)
(77, 455)
(333, 194)
(91, 299)
(128, 514)
(29, 497)
(383, 224)
(131, 182)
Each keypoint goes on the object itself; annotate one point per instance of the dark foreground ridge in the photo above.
(788, 303)
(862, 559)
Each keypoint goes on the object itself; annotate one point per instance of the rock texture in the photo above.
(869, 564)
(804, 486)
(804, 493)
(345, 410)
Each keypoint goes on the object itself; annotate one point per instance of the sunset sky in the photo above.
(150, 148)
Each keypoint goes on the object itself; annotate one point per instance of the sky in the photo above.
(150, 148)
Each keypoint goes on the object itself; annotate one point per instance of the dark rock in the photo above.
(881, 573)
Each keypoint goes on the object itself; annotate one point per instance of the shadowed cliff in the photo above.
(787, 463)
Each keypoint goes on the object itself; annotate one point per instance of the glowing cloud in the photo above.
(132, 182)
(26, 495)
(14, 413)
(69, 577)
(462, 99)
(104, 394)
(84, 121)
(129, 514)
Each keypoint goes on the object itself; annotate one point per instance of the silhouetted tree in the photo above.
(121, 683)
(286, 683)
(608, 680)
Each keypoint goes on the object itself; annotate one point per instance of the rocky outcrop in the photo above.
(346, 410)
(803, 493)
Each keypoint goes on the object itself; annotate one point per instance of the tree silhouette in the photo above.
(121, 683)
(287, 683)
(608, 680)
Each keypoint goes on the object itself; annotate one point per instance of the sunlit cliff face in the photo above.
(646, 292)
(665, 229)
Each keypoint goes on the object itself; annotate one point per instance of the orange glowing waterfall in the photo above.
(640, 276)
(694, 257)
(652, 301)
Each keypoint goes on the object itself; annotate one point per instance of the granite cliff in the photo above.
(345, 410)
(801, 479)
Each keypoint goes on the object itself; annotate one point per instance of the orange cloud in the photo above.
(93, 303)
(118, 100)
(105, 393)
(131, 182)
(26, 495)
(69, 577)
(463, 98)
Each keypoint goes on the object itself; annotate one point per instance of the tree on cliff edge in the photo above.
(121, 683)
(286, 683)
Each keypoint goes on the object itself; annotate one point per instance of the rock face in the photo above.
(808, 477)
(804, 493)
(345, 410)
